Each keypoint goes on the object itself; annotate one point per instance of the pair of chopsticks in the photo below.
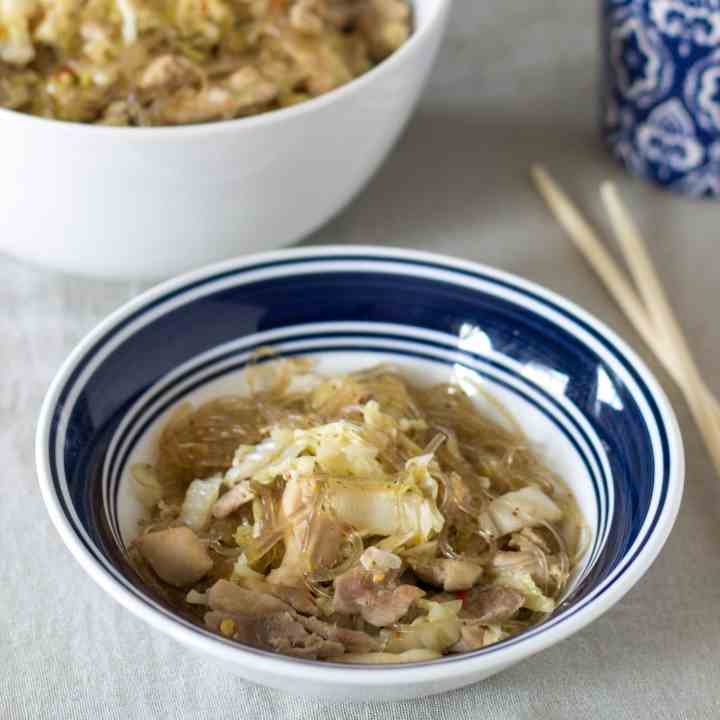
(646, 305)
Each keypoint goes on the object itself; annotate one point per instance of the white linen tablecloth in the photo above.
(515, 83)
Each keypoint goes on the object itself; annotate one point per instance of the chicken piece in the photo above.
(491, 604)
(375, 596)
(280, 632)
(168, 72)
(450, 575)
(315, 648)
(352, 640)
(323, 544)
(228, 597)
(176, 555)
(261, 620)
(233, 499)
(326, 536)
(298, 598)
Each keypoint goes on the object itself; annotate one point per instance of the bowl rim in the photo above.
(175, 132)
(358, 675)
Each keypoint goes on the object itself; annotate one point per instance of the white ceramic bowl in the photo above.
(579, 392)
(150, 202)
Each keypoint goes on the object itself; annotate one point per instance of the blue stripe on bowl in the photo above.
(98, 408)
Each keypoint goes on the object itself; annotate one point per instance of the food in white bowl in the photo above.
(143, 62)
(147, 202)
(355, 518)
(581, 396)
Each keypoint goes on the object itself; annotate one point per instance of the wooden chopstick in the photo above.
(641, 268)
(702, 403)
(650, 312)
(590, 245)
(655, 299)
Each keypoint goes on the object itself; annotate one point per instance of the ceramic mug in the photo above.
(661, 91)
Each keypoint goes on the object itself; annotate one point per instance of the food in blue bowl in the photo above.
(361, 493)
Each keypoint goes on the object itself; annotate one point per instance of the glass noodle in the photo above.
(370, 478)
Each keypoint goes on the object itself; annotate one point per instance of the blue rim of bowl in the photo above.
(672, 458)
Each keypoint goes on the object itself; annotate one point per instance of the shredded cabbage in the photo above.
(147, 487)
(385, 510)
(250, 460)
(241, 569)
(437, 630)
(396, 542)
(376, 559)
(129, 20)
(199, 500)
(16, 45)
(522, 508)
(521, 580)
(341, 450)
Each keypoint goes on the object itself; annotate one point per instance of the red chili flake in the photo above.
(461, 595)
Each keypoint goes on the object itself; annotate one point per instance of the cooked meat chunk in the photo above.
(324, 542)
(375, 596)
(228, 597)
(280, 632)
(261, 620)
(176, 555)
(491, 604)
(314, 648)
(299, 598)
(352, 640)
(450, 575)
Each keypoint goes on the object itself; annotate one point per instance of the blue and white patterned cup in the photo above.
(661, 91)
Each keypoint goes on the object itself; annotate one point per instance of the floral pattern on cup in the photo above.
(661, 92)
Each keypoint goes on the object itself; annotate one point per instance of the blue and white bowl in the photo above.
(660, 105)
(582, 395)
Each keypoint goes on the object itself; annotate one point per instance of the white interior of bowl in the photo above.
(555, 447)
